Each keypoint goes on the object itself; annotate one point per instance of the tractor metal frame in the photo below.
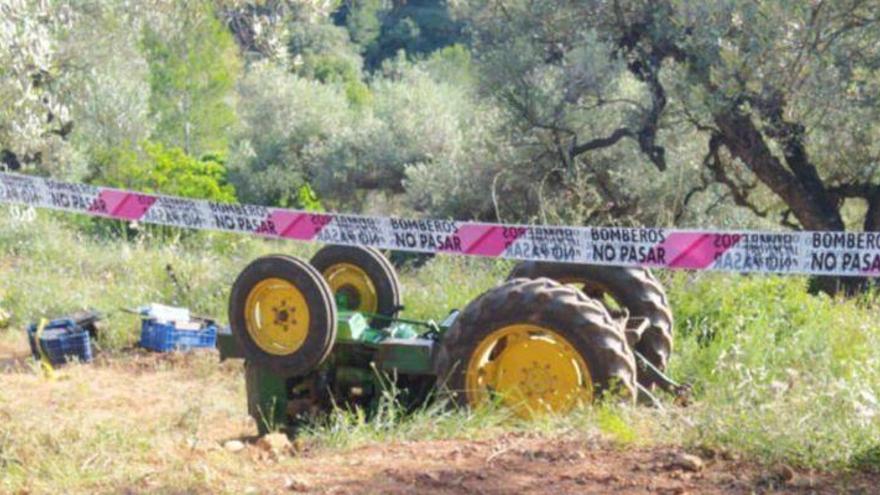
(364, 362)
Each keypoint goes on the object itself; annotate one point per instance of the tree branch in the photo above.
(647, 135)
(618, 205)
(853, 190)
(791, 136)
(813, 208)
(739, 193)
(693, 191)
(604, 142)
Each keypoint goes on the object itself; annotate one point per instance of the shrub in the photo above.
(168, 171)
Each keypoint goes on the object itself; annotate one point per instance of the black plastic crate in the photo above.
(61, 341)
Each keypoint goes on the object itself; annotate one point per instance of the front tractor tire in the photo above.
(535, 346)
(283, 315)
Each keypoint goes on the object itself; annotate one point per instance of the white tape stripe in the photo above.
(825, 253)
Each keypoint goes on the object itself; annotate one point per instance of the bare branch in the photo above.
(715, 204)
(618, 204)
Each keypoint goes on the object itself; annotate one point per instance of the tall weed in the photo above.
(778, 373)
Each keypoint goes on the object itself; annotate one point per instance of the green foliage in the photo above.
(609, 95)
(193, 69)
(778, 373)
(307, 199)
(34, 113)
(323, 51)
(284, 117)
(328, 69)
(174, 172)
(168, 171)
(615, 425)
(299, 130)
(443, 101)
(108, 78)
(417, 27)
(26, 53)
(452, 64)
(363, 19)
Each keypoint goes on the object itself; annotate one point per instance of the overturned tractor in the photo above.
(328, 332)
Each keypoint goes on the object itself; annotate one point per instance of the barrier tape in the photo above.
(816, 253)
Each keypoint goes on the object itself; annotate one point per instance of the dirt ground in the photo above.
(540, 465)
(171, 424)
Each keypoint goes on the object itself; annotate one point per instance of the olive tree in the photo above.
(106, 78)
(783, 95)
(33, 119)
(73, 83)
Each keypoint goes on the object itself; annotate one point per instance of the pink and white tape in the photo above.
(821, 253)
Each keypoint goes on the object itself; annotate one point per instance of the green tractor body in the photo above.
(362, 364)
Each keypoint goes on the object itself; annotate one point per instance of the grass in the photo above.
(780, 376)
(81, 431)
(47, 268)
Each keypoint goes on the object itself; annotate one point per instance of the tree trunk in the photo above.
(9, 160)
(798, 185)
(808, 199)
(872, 217)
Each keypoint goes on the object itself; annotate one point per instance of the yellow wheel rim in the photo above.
(530, 369)
(277, 316)
(352, 287)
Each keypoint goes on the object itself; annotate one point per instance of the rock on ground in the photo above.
(234, 446)
(276, 443)
(688, 462)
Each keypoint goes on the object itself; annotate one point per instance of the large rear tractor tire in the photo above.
(535, 346)
(283, 315)
(633, 289)
(361, 279)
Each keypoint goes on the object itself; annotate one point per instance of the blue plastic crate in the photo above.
(61, 341)
(165, 337)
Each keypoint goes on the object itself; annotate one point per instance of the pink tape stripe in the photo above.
(123, 205)
(874, 267)
(300, 226)
(694, 250)
(482, 240)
